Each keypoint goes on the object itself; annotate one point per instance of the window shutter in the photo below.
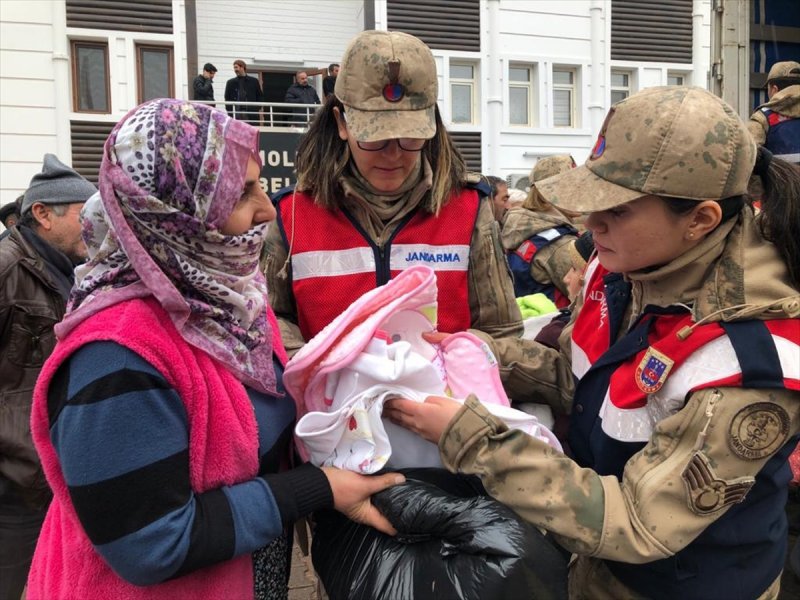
(442, 24)
(651, 31)
(469, 144)
(151, 16)
(87, 146)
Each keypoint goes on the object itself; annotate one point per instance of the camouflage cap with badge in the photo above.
(387, 82)
(682, 142)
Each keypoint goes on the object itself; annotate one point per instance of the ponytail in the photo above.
(780, 209)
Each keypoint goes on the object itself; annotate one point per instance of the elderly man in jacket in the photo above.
(37, 259)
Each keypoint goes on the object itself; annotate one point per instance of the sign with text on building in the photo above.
(277, 150)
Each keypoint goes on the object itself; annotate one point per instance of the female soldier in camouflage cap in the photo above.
(537, 237)
(686, 354)
(381, 187)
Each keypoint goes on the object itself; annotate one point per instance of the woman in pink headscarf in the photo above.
(160, 418)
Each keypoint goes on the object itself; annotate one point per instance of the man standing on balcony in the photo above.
(243, 88)
(203, 84)
(300, 92)
(330, 81)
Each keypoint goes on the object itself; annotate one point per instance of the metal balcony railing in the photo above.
(280, 115)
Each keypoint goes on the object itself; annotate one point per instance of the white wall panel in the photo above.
(20, 64)
(27, 91)
(38, 93)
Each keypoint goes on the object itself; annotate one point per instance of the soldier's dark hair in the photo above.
(730, 206)
(780, 208)
(784, 82)
(323, 156)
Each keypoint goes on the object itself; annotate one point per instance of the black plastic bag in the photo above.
(452, 542)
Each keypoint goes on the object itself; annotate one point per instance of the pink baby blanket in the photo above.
(374, 351)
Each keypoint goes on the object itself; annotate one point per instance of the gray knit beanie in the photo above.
(56, 184)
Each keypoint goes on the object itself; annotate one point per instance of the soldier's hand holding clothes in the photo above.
(427, 419)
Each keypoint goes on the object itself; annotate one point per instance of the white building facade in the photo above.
(518, 79)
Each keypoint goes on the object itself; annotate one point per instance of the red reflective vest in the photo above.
(334, 261)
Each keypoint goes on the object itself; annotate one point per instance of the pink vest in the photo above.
(333, 263)
(223, 450)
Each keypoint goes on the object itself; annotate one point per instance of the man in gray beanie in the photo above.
(36, 273)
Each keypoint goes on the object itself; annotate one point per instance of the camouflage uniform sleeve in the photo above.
(278, 271)
(758, 127)
(551, 263)
(697, 464)
(492, 305)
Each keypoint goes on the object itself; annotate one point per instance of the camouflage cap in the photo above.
(787, 69)
(388, 84)
(551, 165)
(667, 141)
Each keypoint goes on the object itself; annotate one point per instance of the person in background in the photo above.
(537, 236)
(160, 418)
(776, 123)
(499, 196)
(243, 88)
(329, 83)
(515, 198)
(301, 92)
(36, 273)
(380, 175)
(685, 378)
(203, 84)
(580, 250)
(9, 214)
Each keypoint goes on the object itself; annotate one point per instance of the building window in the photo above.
(675, 78)
(90, 87)
(154, 72)
(462, 93)
(620, 86)
(520, 95)
(564, 97)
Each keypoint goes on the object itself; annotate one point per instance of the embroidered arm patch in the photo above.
(709, 493)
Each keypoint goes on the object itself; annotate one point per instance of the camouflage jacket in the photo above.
(649, 514)
(494, 311)
(786, 102)
(550, 263)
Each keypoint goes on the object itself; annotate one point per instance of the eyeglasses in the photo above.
(407, 144)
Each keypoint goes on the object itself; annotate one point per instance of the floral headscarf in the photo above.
(171, 174)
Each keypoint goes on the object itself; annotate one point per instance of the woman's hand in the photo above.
(351, 493)
(427, 419)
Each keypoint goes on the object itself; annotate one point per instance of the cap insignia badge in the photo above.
(600, 144)
(394, 91)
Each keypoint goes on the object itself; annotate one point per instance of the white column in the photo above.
(700, 57)
(600, 49)
(61, 79)
(493, 78)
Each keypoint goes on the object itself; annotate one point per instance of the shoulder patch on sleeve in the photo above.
(758, 430)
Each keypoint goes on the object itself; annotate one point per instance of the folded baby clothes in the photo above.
(374, 351)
